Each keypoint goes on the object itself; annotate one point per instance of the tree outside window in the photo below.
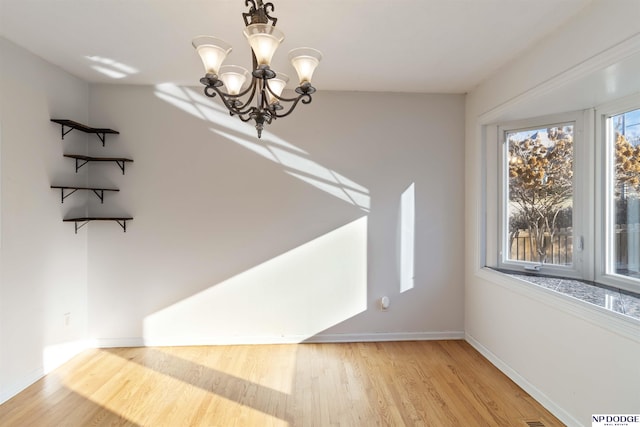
(540, 194)
(626, 193)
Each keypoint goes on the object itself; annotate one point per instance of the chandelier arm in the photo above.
(243, 93)
(244, 108)
(244, 119)
(208, 92)
(281, 98)
(305, 89)
(305, 98)
(228, 99)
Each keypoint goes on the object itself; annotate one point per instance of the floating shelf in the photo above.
(72, 189)
(100, 132)
(122, 221)
(83, 160)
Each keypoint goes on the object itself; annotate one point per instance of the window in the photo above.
(540, 194)
(621, 199)
(537, 215)
(567, 202)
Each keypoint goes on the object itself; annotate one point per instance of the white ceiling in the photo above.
(439, 46)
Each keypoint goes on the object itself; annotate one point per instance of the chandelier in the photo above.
(261, 100)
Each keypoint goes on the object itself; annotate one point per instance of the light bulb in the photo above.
(233, 78)
(212, 51)
(277, 85)
(305, 60)
(264, 40)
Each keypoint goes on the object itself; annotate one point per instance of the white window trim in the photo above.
(581, 267)
(604, 176)
(592, 182)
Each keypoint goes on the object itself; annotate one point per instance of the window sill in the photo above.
(605, 307)
(607, 298)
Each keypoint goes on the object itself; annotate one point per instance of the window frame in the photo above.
(581, 267)
(592, 202)
(605, 175)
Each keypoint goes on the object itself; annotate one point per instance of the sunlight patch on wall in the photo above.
(208, 109)
(257, 148)
(341, 192)
(55, 355)
(294, 160)
(289, 298)
(407, 238)
(307, 170)
(110, 67)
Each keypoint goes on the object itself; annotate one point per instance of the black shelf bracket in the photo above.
(102, 137)
(121, 164)
(64, 196)
(80, 163)
(83, 160)
(101, 133)
(81, 222)
(123, 224)
(98, 191)
(63, 132)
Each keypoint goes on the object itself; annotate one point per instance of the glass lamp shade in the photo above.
(277, 85)
(233, 78)
(264, 40)
(305, 60)
(212, 51)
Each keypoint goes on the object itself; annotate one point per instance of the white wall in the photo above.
(575, 359)
(290, 238)
(43, 263)
(287, 238)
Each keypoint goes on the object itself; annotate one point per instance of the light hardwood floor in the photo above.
(425, 383)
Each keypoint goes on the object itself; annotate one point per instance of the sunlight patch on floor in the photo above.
(132, 387)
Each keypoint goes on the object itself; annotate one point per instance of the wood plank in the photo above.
(425, 383)
(98, 218)
(84, 128)
(72, 187)
(97, 159)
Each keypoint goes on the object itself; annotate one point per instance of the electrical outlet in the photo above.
(67, 319)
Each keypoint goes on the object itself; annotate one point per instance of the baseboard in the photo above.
(538, 395)
(387, 336)
(118, 342)
(290, 339)
(12, 389)
(53, 357)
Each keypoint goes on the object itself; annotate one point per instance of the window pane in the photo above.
(626, 193)
(540, 195)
